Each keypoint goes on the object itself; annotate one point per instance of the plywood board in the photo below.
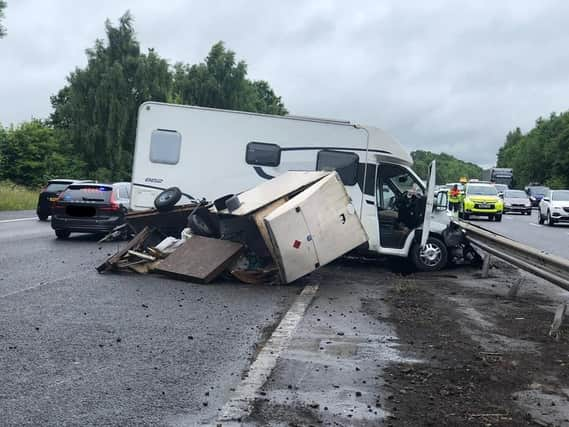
(200, 259)
(259, 219)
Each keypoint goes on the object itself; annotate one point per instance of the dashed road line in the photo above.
(535, 225)
(17, 219)
(241, 403)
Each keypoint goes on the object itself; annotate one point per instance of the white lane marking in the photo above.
(535, 225)
(39, 285)
(18, 219)
(241, 403)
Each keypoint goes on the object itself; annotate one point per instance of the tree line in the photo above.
(449, 168)
(91, 132)
(541, 155)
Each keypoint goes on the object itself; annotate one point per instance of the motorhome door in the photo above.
(400, 205)
(429, 204)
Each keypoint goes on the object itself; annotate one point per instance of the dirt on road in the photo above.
(483, 358)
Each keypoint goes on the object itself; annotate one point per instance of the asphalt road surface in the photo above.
(526, 229)
(80, 348)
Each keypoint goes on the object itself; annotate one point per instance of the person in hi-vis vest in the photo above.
(454, 198)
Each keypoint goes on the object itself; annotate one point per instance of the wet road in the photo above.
(81, 348)
(526, 229)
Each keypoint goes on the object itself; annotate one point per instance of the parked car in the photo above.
(517, 201)
(536, 193)
(49, 195)
(481, 199)
(90, 208)
(554, 207)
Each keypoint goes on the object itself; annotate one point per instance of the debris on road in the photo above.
(200, 259)
(276, 232)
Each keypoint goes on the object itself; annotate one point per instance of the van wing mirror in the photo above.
(546, 199)
(345, 163)
(441, 201)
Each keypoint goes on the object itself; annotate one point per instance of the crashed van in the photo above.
(208, 153)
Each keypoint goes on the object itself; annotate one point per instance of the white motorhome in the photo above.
(209, 153)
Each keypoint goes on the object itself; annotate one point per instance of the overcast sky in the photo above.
(450, 76)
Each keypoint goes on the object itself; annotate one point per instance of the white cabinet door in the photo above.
(314, 228)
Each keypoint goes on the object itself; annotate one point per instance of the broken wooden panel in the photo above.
(259, 219)
(200, 259)
(134, 243)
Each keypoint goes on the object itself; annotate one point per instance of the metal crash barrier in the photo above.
(550, 267)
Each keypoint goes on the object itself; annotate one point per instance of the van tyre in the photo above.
(43, 217)
(550, 221)
(498, 217)
(168, 199)
(432, 257)
(540, 217)
(62, 234)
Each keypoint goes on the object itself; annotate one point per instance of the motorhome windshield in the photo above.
(481, 190)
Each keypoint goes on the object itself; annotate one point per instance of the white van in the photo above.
(209, 153)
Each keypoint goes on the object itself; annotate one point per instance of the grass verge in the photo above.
(14, 197)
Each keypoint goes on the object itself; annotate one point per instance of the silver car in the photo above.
(517, 201)
(554, 207)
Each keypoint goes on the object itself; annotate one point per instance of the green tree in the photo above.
(2, 28)
(541, 155)
(32, 153)
(221, 82)
(449, 168)
(97, 108)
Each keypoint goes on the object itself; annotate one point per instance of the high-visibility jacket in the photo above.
(454, 196)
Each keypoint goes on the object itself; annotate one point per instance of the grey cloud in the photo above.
(449, 76)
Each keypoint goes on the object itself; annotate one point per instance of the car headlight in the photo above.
(528, 204)
(508, 205)
(556, 208)
(532, 198)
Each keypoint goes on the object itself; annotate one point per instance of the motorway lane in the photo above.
(77, 347)
(526, 229)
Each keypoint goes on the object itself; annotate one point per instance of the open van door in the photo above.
(429, 204)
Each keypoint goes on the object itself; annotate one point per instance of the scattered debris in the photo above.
(277, 232)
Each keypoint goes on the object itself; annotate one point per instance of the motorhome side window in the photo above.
(263, 154)
(165, 146)
(346, 164)
(366, 173)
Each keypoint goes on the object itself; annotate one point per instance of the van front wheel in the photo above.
(432, 257)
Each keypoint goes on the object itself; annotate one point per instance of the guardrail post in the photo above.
(558, 321)
(485, 265)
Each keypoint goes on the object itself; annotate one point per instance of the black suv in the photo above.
(49, 195)
(90, 208)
